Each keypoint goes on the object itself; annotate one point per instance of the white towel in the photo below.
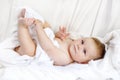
(30, 13)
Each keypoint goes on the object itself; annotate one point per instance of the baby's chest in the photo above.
(63, 46)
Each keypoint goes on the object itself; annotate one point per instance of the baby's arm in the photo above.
(27, 46)
(53, 52)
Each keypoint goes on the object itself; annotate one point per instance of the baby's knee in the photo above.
(29, 52)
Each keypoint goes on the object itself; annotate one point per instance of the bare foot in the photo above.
(25, 22)
(22, 13)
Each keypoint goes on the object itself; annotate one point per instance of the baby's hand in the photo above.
(25, 22)
(62, 33)
(38, 23)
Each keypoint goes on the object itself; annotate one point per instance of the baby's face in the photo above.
(83, 49)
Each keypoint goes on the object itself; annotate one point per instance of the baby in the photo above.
(80, 50)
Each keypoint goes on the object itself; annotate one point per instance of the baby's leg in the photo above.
(27, 45)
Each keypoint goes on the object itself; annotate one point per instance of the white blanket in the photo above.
(104, 69)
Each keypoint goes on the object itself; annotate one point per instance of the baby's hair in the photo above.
(100, 46)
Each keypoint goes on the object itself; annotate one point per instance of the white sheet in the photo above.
(106, 69)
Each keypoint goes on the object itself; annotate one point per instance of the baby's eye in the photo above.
(82, 42)
(84, 51)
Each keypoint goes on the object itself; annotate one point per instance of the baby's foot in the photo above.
(26, 21)
(21, 22)
(22, 13)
